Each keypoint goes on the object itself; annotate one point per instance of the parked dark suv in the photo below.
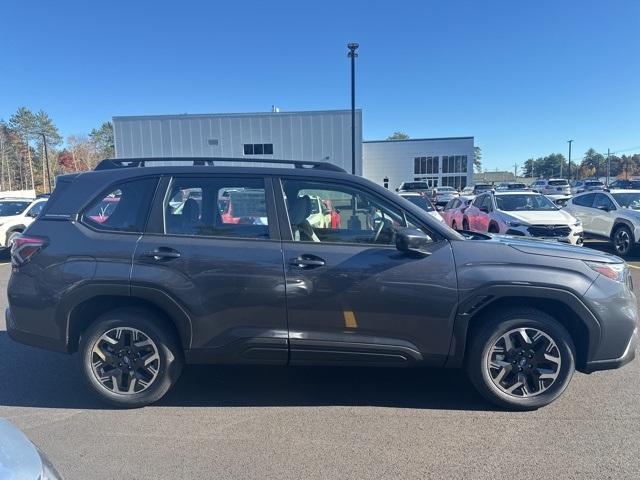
(137, 269)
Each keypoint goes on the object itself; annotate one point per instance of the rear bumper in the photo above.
(32, 339)
(609, 364)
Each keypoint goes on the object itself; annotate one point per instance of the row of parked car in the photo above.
(547, 209)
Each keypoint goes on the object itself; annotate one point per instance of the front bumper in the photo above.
(575, 237)
(609, 364)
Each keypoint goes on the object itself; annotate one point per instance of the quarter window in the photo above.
(219, 207)
(124, 208)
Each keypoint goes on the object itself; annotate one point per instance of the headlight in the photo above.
(577, 224)
(614, 271)
(515, 223)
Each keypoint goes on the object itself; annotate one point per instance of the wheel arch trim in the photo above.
(481, 300)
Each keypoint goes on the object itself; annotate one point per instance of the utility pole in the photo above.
(570, 142)
(515, 171)
(352, 54)
(608, 165)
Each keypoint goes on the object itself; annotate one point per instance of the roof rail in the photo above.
(112, 163)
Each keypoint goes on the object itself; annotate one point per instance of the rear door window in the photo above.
(217, 207)
(584, 200)
(123, 207)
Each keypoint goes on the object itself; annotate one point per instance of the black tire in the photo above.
(484, 338)
(454, 225)
(169, 366)
(623, 241)
(493, 228)
(465, 224)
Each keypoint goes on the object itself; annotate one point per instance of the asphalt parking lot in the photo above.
(239, 423)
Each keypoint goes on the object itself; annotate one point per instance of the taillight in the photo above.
(24, 248)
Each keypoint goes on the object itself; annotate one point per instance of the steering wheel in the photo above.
(379, 224)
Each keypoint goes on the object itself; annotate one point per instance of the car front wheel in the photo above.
(521, 359)
(623, 240)
(129, 358)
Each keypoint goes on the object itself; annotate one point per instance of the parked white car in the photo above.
(580, 186)
(16, 214)
(552, 186)
(525, 214)
(612, 215)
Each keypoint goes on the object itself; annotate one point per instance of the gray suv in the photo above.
(141, 267)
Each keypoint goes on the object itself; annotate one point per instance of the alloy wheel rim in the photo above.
(524, 362)
(125, 361)
(622, 240)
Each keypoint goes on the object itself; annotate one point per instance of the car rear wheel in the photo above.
(465, 224)
(129, 358)
(521, 359)
(454, 225)
(623, 240)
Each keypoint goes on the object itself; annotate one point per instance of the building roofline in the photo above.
(418, 140)
(247, 114)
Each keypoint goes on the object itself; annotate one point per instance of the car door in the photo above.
(352, 297)
(222, 275)
(603, 215)
(473, 211)
(581, 207)
(483, 216)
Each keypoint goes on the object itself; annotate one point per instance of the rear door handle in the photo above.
(162, 253)
(307, 261)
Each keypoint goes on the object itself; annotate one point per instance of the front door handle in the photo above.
(307, 261)
(162, 253)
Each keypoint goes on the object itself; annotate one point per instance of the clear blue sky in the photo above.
(521, 76)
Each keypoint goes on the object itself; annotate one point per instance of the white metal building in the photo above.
(313, 136)
(439, 161)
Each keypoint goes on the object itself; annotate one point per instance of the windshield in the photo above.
(481, 187)
(594, 184)
(446, 189)
(415, 186)
(420, 201)
(524, 202)
(558, 182)
(8, 209)
(628, 200)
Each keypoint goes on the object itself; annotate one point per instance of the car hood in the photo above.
(552, 217)
(549, 248)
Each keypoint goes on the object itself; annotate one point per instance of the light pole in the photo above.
(352, 55)
(46, 159)
(569, 142)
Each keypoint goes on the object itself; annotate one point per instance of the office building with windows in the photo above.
(438, 161)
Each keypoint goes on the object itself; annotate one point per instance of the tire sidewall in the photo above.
(170, 354)
(631, 239)
(480, 374)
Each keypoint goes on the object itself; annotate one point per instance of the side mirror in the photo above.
(31, 214)
(484, 209)
(604, 208)
(413, 242)
(397, 189)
